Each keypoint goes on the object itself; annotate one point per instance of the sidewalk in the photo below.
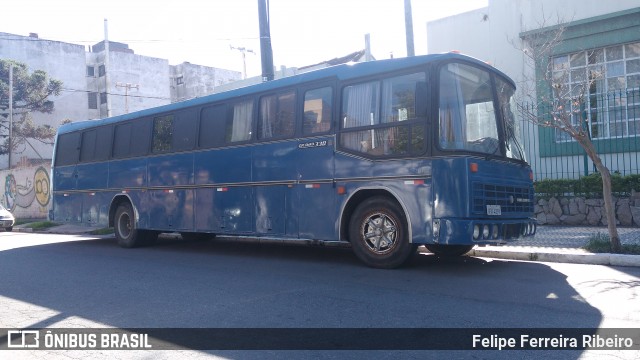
(550, 244)
(564, 244)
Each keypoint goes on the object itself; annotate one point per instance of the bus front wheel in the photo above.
(125, 229)
(378, 233)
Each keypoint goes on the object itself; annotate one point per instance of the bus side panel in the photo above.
(128, 174)
(65, 178)
(228, 173)
(170, 208)
(274, 163)
(95, 208)
(92, 176)
(315, 196)
(67, 207)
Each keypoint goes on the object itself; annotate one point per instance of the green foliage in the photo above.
(31, 93)
(587, 186)
(600, 243)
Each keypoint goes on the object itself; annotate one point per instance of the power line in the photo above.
(115, 94)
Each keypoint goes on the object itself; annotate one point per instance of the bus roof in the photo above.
(340, 72)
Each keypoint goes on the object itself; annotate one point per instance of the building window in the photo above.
(91, 71)
(608, 82)
(93, 100)
(101, 70)
(103, 98)
(180, 80)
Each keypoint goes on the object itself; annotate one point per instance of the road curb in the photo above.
(559, 257)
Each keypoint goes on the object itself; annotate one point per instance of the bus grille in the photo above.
(512, 199)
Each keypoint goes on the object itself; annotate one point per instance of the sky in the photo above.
(303, 32)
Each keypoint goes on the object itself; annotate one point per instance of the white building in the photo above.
(603, 34)
(95, 87)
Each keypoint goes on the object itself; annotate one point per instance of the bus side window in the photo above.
(122, 141)
(276, 116)
(317, 110)
(125, 144)
(162, 133)
(68, 150)
(239, 122)
(212, 121)
(184, 130)
(88, 147)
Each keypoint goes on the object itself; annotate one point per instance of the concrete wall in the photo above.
(26, 191)
(189, 81)
(149, 73)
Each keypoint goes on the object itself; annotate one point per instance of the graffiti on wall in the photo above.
(23, 193)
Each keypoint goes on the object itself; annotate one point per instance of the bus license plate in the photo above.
(494, 210)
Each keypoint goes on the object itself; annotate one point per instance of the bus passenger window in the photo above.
(162, 133)
(239, 124)
(277, 115)
(317, 110)
(399, 97)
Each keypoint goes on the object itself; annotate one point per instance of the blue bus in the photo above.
(384, 155)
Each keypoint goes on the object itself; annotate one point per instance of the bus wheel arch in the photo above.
(376, 225)
(122, 217)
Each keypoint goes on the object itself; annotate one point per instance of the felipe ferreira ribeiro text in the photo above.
(530, 342)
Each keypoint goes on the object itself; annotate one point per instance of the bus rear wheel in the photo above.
(378, 233)
(449, 250)
(125, 229)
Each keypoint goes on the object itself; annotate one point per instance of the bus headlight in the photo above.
(476, 232)
(485, 231)
(494, 231)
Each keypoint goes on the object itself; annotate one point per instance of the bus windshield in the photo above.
(468, 118)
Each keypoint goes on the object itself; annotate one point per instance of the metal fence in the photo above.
(613, 122)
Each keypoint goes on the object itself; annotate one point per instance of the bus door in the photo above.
(315, 191)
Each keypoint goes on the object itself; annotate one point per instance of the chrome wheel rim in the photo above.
(124, 225)
(379, 232)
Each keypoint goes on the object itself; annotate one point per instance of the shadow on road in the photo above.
(220, 284)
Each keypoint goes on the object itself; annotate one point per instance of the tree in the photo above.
(548, 99)
(31, 93)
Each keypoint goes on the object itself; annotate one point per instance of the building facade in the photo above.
(599, 46)
(95, 86)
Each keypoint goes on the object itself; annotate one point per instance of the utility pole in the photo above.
(10, 112)
(265, 40)
(106, 67)
(408, 21)
(127, 87)
(244, 52)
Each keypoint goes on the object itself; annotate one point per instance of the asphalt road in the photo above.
(73, 281)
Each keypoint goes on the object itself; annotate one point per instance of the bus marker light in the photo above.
(341, 190)
(170, 191)
(124, 191)
(92, 194)
(312, 186)
(530, 175)
(473, 167)
(65, 194)
(222, 189)
(414, 182)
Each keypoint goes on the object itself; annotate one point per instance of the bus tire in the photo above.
(125, 229)
(378, 234)
(449, 250)
(9, 229)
